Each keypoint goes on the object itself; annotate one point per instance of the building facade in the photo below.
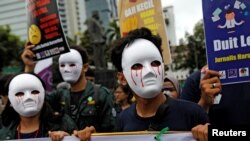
(168, 13)
(72, 14)
(103, 7)
(169, 16)
(13, 13)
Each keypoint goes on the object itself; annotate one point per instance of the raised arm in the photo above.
(27, 58)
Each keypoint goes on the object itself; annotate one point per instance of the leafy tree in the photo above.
(10, 48)
(113, 32)
(191, 53)
(85, 42)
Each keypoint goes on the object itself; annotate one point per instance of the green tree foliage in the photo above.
(113, 32)
(10, 48)
(85, 42)
(191, 53)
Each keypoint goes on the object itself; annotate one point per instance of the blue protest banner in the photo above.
(226, 24)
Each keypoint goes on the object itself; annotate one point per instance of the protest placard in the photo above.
(227, 35)
(44, 29)
(144, 13)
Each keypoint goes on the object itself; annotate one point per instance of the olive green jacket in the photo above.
(94, 110)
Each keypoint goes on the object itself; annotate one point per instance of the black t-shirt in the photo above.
(74, 103)
(234, 105)
(178, 115)
(191, 90)
(28, 135)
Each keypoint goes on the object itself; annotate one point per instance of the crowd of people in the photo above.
(143, 99)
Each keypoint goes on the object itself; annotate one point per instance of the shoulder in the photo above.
(59, 91)
(7, 133)
(193, 79)
(187, 106)
(102, 91)
(101, 88)
(128, 113)
(189, 110)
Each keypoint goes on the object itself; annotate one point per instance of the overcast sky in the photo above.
(187, 14)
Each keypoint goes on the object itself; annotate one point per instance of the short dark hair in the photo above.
(119, 45)
(126, 89)
(82, 52)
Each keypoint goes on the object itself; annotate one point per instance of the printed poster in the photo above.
(227, 33)
(44, 29)
(144, 13)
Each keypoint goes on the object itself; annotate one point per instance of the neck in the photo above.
(124, 105)
(79, 85)
(148, 107)
(30, 124)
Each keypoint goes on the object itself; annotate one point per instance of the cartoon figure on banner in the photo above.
(230, 21)
(231, 16)
(34, 34)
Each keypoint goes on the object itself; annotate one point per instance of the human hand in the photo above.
(210, 86)
(27, 57)
(85, 134)
(200, 132)
(57, 135)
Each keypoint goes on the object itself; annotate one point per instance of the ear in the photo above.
(120, 76)
(85, 67)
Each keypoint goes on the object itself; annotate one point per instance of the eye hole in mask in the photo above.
(35, 92)
(137, 66)
(155, 63)
(19, 94)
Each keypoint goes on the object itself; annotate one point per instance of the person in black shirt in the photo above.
(139, 63)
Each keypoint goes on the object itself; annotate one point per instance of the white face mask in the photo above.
(143, 68)
(70, 66)
(26, 94)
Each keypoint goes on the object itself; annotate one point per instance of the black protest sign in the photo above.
(44, 29)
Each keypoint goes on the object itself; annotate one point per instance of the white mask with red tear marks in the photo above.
(70, 66)
(143, 68)
(26, 94)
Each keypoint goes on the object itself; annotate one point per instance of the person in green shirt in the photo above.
(87, 104)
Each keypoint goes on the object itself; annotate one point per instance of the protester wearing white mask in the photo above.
(26, 100)
(28, 116)
(70, 66)
(144, 71)
(87, 105)
(139, 62)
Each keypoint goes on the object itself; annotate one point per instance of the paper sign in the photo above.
(228, 38)
(134, 14)
(44, 29)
